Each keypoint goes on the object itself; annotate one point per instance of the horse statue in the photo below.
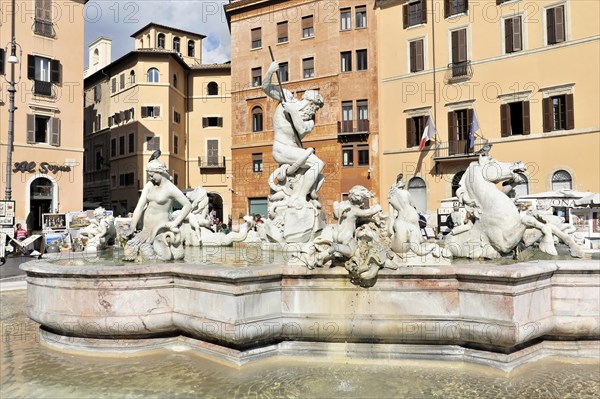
(498, 226)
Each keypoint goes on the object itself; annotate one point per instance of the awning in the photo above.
(589, 200)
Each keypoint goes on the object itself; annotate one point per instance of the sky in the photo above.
(117, 20)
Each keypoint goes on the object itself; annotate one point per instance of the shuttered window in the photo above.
(459, 46)
(361, 17)
(212, 121)
(513, 37)
(43, 129)
(455, 7)
(514, 119)
(43, 10)
(212, 152)
(131, 143)
(150, 112)
(282, 32)
(416, 56)
(308, 68)
(152, 143)
(308, 29)
(558, 113)
(414, 130)
(414, 13)
(257, 162)
(256, 77)
(555, 24)
(256, 37)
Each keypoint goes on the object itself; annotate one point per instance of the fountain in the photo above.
(369, 286)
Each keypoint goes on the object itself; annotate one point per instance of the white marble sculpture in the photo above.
(100, 232)
(497, 226)
(542, 211)
(160, 237)
(294, 210)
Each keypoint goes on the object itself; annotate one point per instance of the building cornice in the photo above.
(153, 24)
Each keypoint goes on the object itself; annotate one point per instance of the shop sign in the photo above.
(45, 167)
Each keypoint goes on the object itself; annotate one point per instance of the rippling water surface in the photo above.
(28, 370)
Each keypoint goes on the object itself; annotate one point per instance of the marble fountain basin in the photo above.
(502, 316)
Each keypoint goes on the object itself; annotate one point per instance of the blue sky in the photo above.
(119, 19)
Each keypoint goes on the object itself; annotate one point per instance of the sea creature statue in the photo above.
(542, 211)
(497, 226)
(160, 237)
(100, 232)
(294, 210)
(197, 219)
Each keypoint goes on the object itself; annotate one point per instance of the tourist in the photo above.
(20, 233)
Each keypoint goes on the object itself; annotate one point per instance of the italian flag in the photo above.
(428, 133)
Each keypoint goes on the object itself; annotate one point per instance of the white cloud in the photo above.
(119, 19)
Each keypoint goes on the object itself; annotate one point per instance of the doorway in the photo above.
(40, 195)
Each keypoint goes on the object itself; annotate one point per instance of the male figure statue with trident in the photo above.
(292, 121)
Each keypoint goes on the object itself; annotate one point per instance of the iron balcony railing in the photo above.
(211, 162)
(42, 88)
(357, 126)
(458, 148)
(459, 71)
(43, 28)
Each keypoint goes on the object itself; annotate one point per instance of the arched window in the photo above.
(561, 180)
(176, 44)
(522, 188)
(132, 77)
(456, 182)
(96, 57)
(153, 75)
(257, 119)
(418, 192)
(175, 80)
(191, 48)
(161, 41)
(213, 89)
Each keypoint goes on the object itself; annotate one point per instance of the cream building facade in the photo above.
(157, 97)
(46, 169)
(527, 71)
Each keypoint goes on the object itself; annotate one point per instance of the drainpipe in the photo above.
(433, 59)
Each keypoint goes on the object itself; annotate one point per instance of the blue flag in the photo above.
(474, 128)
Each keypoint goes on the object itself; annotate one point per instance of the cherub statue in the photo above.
(101, 230)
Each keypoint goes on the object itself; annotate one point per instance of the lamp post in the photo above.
(12, 60)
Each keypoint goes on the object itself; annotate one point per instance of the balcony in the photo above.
(43, 28)
(211, 162)
(457, 149)
(353, 130)
(459, 72)
(42, 88)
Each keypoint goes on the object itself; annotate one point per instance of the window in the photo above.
(43, 18)
(361, 60)
(122, 81)
(257, 119)
(284, 74)
(212, 152)
(113, 85)
(514, 118)
(175, 178)
(346, 60)
(363, 155)
(98, 124)
(43, 129)
(513, 40)
(308, 29)
(152, 143)
(257, 206)
(454, 7)
(131, 142)
(362, 109)
(177, 44)
(176, 144)
(212, 89)
(132, 78)
(126, 179)
(257, 162)
(256, 38)
(456, 182)
(418, 193)
(414, 13)
(122, 145)
(558, 113)
(191, 48)
(113, 148)
(308, 68)
(361, 17)
(347, 156)
(44, 72)
(347, 117)
(150, 112)
(99, 159)
(161, 41)
(212, 121)
(345, 19)
(176, 117)
(416, 56)
(555, 24)
(459, 124)
(562, 180)
(256, 77)
(153, 75)
(282, 32)
(414, 130)
(459, 53)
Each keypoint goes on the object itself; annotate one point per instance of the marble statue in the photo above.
(498, 226)
(160, 237)
(294, 210)
(542, 211)
(100, 232)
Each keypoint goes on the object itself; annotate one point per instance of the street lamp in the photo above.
(12, 60)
